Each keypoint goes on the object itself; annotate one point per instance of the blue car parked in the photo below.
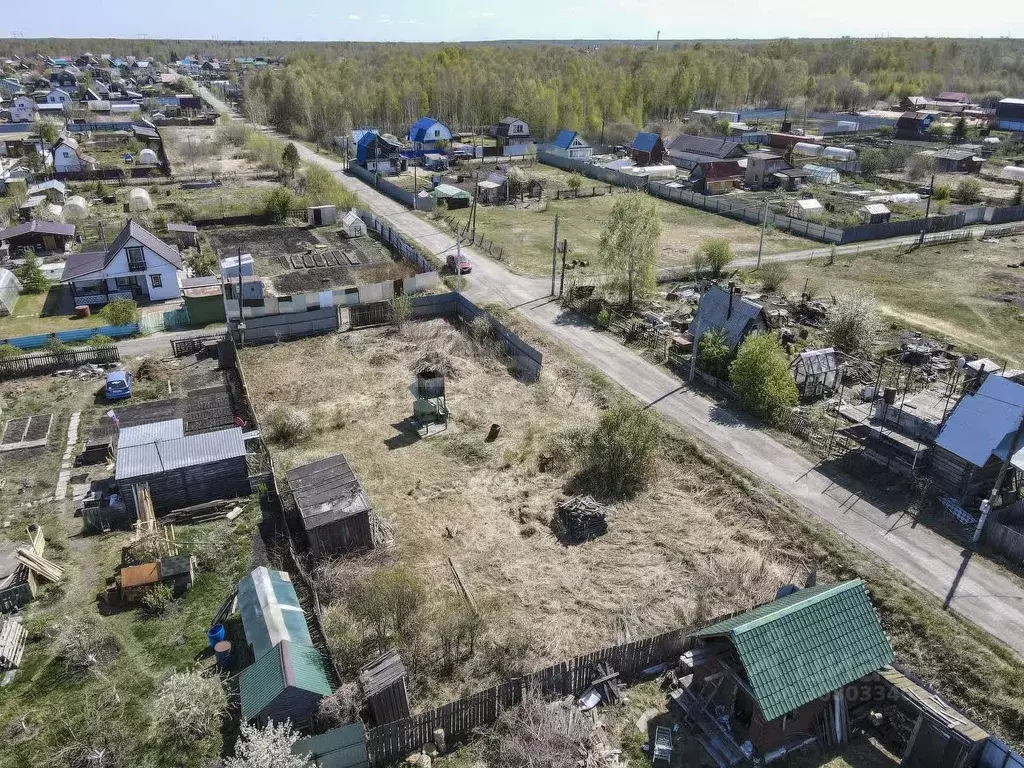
(119, 385)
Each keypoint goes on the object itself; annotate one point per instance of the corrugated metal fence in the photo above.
(72, 337)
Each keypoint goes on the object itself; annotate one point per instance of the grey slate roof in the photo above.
(703, 145)
(714, 312)
(326, 491)
(81, 264)
(133, 231)
(178, 453)
(174, 227)
(40, 227)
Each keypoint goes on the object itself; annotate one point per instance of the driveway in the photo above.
(973, 589)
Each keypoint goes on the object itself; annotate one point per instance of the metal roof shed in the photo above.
(270, 610)
(343, 747)
(730, 312)
(334, 510)
(186, 470)
(285, 683)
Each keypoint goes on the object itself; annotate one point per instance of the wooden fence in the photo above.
(476, 239)
(459, 719)
(48, 362)
(183, 346)
(573, 194)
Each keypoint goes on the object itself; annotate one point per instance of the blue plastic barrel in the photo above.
(222, 650)
(216, 634)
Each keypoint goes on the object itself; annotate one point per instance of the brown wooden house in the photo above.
(647, 149)
(765, 681)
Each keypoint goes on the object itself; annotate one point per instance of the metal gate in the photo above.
(365, 315)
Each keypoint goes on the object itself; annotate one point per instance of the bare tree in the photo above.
(190, 706)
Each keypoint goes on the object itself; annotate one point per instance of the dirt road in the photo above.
(971, 588)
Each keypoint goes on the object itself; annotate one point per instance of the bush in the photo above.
(121, 312)
(388, 602)
(344, 638)
(713, 354)
(9, 350)
(401, 310)
(537, 733)
(919, 166)
(773, 275)
(83, 644)
(760, 375)
(574, 182)
(201, 263)
(872, 161)
(941, 193)
(31, 277)
(852, 322)
(157, 600)
(968, 191)
(56, 345)
(99, 340)
(278, 203)
(321, 187)
(286, 425)
(189, 707)
(716, 253)
(621, 452)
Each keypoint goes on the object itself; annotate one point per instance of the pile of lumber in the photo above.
(200, 513)
(582, 518)
(12, 644)
(39, 565)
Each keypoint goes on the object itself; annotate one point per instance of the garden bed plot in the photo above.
(26, 432)
(301, 259)
(488, 506)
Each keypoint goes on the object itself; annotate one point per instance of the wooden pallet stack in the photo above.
(582, 518)
(12, 644)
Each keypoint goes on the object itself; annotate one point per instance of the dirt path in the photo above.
(976, 591)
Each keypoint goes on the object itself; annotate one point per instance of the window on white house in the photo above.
(157, 281)
(437, 132)
(136, 260)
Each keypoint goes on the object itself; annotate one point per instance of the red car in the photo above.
(459, 264)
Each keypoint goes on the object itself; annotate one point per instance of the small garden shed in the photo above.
(332, 506)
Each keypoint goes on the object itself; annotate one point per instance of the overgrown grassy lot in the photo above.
(702, 538)
(526, 231)
(962, 292)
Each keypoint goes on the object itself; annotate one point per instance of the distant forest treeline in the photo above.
(328, 87)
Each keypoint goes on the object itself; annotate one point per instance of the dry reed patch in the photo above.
(675, 554)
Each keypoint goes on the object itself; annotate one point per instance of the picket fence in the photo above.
(393, 741)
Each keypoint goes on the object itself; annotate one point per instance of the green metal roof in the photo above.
(806, 644)
(287, 665)
(343, 747)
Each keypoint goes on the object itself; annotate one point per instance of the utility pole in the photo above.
(764, 223)
(927, 209)
(554, 256)
(986, 505)
(565, 248)
(472, 213)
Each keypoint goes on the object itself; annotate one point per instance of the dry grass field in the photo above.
(673, 555)
(525, 231)
(202, 151)
(702, 539)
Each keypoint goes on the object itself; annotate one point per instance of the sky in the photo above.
(418, 21)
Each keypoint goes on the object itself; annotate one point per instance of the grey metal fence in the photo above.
(392, 190)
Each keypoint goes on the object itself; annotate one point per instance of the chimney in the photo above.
(732, 291)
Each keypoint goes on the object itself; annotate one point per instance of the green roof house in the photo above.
(773, 672)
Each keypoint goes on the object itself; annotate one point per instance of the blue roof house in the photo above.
(571, 145)
(647, 149)
(379, 153)
(426, 132)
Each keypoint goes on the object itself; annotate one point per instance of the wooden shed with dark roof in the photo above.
(333, 509)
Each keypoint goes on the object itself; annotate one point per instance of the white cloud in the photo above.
(409, 21)
(354, 17)
(487, 14)
(384, 20)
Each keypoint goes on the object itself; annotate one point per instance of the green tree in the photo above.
(938, 131)
(278, 202)
(713, 354)
(760, 375)
(872, 161)
(960, 129)
(290, 158)
(31, 277)
(721, 127)
(49, 132)
(200, 263)
(968, 191)
(628, 249)
(885, 131)
(851, 323)
(716, 253)
(122, 312)
(574, 182)
(1018, 196)
(941, 193)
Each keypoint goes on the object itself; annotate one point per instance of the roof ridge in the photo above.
(795, 605)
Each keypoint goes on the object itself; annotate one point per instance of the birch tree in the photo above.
(628, 249)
